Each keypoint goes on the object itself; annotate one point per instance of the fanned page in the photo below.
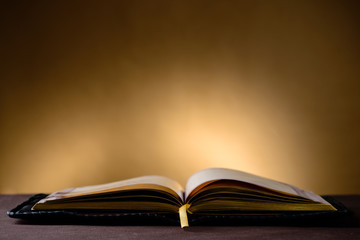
(145, 182)
(214, 174)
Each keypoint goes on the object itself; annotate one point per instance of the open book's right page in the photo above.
(212, 174)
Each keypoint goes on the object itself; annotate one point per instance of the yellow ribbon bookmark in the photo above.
(183, 215)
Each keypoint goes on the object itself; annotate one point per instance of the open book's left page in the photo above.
(153, 182)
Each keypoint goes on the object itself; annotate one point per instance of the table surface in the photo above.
(349, 228)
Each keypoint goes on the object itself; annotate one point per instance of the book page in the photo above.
(148, 182)
(213, 174)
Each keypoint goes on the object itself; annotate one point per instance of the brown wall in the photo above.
(93, 92)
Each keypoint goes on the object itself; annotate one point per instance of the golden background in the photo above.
(99, 91)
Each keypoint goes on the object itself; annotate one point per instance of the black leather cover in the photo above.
(114, 217)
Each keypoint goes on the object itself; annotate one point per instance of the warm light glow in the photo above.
(171, 88)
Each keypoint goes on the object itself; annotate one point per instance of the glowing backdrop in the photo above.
(92, 93)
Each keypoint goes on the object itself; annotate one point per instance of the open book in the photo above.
(210, 191)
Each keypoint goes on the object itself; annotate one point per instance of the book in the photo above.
(210, 191)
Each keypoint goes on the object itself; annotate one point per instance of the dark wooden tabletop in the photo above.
(348, 228)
